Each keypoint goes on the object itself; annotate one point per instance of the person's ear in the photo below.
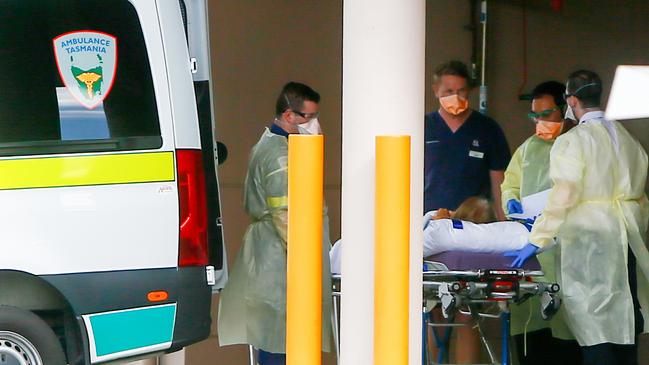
(287, 115)
(436, 89)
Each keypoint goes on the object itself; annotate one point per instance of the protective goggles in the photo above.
(306, 115)
(542, 114)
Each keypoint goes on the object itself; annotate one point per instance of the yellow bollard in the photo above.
(392, 250)
(304, 262)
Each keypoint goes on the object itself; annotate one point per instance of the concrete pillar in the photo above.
(383, 94)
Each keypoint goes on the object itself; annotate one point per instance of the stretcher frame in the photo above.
(472, 289)
(466, 291)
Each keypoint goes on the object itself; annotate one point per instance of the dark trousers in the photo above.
(613, 354)
(543, 349)
(269, 358)
(610, 354)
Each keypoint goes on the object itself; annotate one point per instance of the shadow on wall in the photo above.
(259, 45)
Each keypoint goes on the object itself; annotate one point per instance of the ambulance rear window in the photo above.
(74, 77)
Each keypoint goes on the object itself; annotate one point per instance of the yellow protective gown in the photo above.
(529, 173)
(598, 210)
(252, 306)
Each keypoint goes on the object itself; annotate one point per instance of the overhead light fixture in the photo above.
(629, 97)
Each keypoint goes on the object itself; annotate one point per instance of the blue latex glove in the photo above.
(514, 206)
(522, 255)
(527, 222)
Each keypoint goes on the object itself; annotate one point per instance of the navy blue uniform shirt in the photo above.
(274, 128)
(457, 165)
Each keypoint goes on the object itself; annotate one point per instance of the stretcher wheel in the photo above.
(554, 288)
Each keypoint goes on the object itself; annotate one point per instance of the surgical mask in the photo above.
(570, 115)
(311, 127)
(547, 130)
(454, 104)
(569, 112)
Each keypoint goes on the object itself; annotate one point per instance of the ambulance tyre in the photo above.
(27, 339)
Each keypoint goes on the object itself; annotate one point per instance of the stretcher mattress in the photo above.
(464, 261)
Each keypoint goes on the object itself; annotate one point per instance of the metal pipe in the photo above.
(483, 85)
(505, 317)
(483, 21)
(334, 320)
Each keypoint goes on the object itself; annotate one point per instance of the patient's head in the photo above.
(477, 210)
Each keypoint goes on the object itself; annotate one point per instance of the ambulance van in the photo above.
(110, 236)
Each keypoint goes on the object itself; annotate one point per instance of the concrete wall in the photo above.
(259, 45)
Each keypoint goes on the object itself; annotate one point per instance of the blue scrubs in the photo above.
(457, 165)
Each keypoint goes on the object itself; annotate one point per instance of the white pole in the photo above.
(383, 93)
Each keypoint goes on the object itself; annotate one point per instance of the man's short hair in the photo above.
(293, 96)
(452, 68)
(553, 88)
(586, 86)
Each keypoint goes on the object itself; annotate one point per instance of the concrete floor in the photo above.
(209, 353)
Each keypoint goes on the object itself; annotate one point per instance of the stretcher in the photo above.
(480, 285)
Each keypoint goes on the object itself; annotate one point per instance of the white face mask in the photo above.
(311, 127)
(569, 113)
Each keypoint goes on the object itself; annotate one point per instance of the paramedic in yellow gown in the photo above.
(252, 307)
(539, 341)
(598, 210)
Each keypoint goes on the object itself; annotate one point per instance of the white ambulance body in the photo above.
(110, 235)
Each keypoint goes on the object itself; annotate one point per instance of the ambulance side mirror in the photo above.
(221, 152)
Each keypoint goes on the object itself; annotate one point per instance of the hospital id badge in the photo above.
(476, 154)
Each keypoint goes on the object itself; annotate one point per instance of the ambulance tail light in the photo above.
(192, 247)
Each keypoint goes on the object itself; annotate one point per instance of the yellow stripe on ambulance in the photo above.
(124, 168)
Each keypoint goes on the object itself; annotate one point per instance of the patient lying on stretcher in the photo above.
(470, 228)
(473, 228)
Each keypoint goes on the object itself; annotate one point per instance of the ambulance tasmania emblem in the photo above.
(87, 62)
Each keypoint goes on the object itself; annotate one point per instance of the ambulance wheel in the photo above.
(25, 339)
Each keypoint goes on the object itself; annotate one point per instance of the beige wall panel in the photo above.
(259, 45)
